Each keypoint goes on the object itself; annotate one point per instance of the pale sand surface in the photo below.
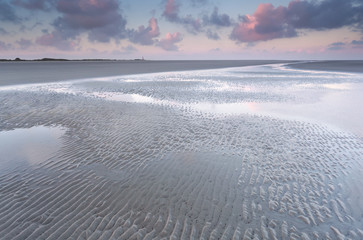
(40, 72)
(339, 66)
(186, 155)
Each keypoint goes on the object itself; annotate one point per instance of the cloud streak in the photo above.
(43, 5)
(357, 43)
(5, 46)
(24, 43)
(336, 46)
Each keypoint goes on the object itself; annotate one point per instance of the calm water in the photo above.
(28, 72)
(26, 147)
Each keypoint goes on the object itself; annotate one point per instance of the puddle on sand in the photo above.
(25, 147)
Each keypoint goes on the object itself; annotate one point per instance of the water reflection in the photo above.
(25, 147)
(131, 98)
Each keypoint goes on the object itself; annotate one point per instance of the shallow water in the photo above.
(240, 153)
(24, 147)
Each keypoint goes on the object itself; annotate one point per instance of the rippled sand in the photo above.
(186, 155)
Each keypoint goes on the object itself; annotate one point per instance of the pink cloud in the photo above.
(266, 23)
(171, 11)
(169, 42)
(154, 28)
(144, 35)
(55, 39)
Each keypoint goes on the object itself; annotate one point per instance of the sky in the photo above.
(181, 29)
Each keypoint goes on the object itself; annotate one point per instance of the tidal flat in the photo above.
(250, 152)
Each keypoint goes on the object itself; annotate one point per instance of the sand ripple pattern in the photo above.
(144, 171)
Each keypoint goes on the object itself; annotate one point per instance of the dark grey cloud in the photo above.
(145, 35)
(215, 50)
(43, 5)
(193, 25)
(129, 49)
(100, 19)
(326, 14)
(212, 35)
(357, 42)
(171, 14)
(24, 43)
(336, 46)
(7, 13)
(220, 20)
(269, 22)
(5, 46)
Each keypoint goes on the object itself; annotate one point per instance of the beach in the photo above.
(214, 150)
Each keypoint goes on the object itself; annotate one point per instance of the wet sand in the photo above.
(141, 157)
(336, 66)
(13, 73)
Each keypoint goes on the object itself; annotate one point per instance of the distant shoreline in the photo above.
(68, 60)
(354, 66)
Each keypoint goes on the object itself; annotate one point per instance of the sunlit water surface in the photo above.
(329, 98)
